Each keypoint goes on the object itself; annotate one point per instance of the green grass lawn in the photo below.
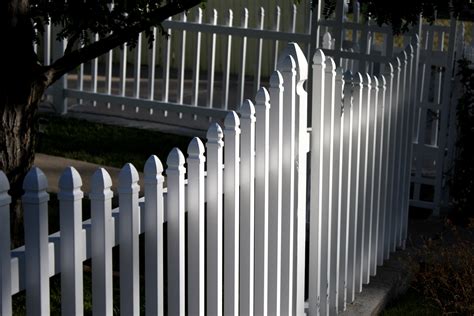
(104, 144)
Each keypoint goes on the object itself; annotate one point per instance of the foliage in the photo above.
(412, 303)
(461, 184)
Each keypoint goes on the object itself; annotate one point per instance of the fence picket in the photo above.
(5, 261)
(72, 247)
(166, 64)
(258, 60)
(151, 66)
(214, 220)
(176, 242)
(227, 60)
(195, 243)
(211, 63)
(35, 207)
(276, 27)
(101, 233)
(123, 69)
(274, 193)
(182, 56)
(197, 61)
(154, 237)
(262, 109)
(243, 57)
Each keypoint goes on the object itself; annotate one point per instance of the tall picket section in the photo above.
(228, 229)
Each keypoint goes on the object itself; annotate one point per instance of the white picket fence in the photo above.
(244, 205)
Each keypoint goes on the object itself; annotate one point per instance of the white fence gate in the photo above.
(243, 206)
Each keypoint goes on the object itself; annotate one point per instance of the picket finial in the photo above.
(247, 109)
(398, 62)
(196, 148)
(199, 15)
(35, 180)
(70, 182)
(215, 134)
(301, 64)
(263, 97)
(276, 80)
(175, 159)
(357, 78)
(375, 83)
(390, 69)
(330, 64)
(367, 80)
(128, 178)
(4, 184)
(319, 58)
(287, 64)
(153, 168)
(410, 49)
(404, 57)
(327, 40)
(382, 81)
(232, 121)
(100, 182)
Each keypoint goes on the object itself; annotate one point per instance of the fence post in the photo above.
(153, 226)
(214, 220)
(176, 242)
(318, 101)
(5, 255)
(101, 234)
(72, 243)
(232, 213)
(274, 193)
(247, 200)
(35, 206)
(262, 108)
(196, 247)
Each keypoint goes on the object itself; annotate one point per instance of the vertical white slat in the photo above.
(175, 199)
(382, 163)
(80, 79)
(371, 219)
(258, 60)
(247, 206)
(275, 193)
(59, 99)
(211, 63)
(181, 62)
(287, 68)
(388, 153)
(166, 64)
(293, 18)
(95, 69)
(108, 72)
(316, 298)
(214, 220)
(151, 66)
(354, 185)
(196, 229)
(362, 273)
(137, 67)
(153, 226)
(5, 260)
(276, 28)
(301, 175)
(47, 44)
(197, 61)
(329, 212)
(226, 66)
(123, 69)
(128, 189)
(101, 252)
(262, 138)
(243, 57)
(346, 214)
(348, 187)
(35, 207)
(71, 245)
(232, 213)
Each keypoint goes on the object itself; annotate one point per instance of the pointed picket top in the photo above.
(261, 12)
(196, 148)
(100, 183)
(278, 10)
(382, 81)
(301, 64)
(175, 159)
(375, 83)
(232, 121)
(128, 178)
(417, 40)
(319, 58)
(262, 97)
(357, 78)
(70, 180)
(214, 134)
(330, 65)
(230, 16)
(214, 16)
(404, 57)
(276, 80)
(247, 110)
(287, 64)
(245, 17)
(367, 80)
(153, 170)
(4, 184)
(327, 40)
(199, 15)
(410, 49)
(398, 62)
(389, 70)
(35, 180)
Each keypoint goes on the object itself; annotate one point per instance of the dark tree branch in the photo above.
(76, 57)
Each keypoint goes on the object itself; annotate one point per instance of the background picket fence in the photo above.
(239, 228)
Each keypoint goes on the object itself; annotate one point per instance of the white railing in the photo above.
(244, 204)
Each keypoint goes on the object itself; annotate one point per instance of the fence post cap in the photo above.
(175, 158)
(4, 184)
(214, 134)
(276, 80)
(100, 181)
(196, 148)
(287, 63)
(127, 175)
(70, 179)
(247, 109)
(231, 121)
(262, 97)
(153, 166)
(319, 58)
(35, 180)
